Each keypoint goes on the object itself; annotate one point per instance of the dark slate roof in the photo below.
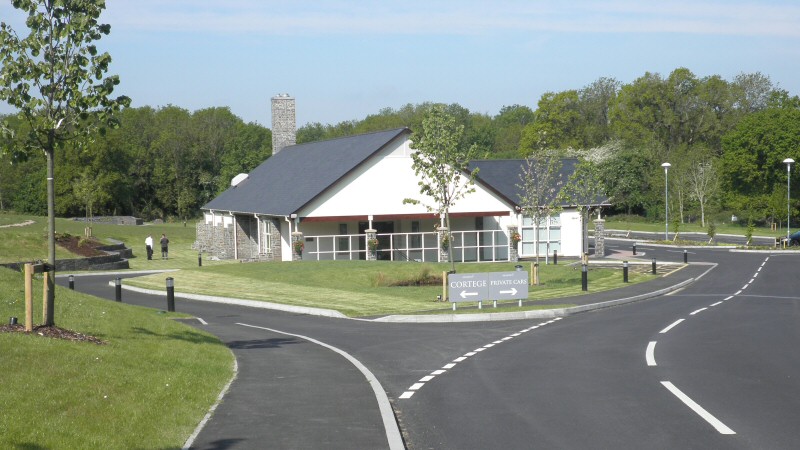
(503, 176)
(287, 181)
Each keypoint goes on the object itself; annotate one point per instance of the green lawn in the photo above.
(30, 242)
(727, 228)
(360, 288)
(147, 387)
(355, 288)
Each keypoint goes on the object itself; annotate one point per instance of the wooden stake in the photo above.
(444, 287)
(46, 286)
(28, 297)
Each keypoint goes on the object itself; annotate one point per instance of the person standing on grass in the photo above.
(164, 247)
(148, 244)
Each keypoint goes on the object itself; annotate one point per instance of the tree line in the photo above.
(725, 140)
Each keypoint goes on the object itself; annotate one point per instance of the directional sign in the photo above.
(467, 287)
(508, 285)
(478, 287)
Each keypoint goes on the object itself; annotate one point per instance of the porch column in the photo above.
(445, 240)
(513, 243)
(372, 244)
(599, 238)
(298, 244)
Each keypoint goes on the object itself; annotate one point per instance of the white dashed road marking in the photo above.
(651, 361)
(650, 353)
(418, 385)
(721, 427)
(671, 326)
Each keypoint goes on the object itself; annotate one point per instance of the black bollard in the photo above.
(72, 282)
(584, 278)
(654, 266)
(634, 248)
(118, 289)
(685, 257)
(170, 294)
(624, 271)
(555, 257)
(199, 259)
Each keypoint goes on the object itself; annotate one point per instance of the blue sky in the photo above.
(345, 59)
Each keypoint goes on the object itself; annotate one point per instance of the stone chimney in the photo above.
(284, 125)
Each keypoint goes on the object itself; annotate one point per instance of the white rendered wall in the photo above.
(218, 218)
(380, 186)
(570, 233)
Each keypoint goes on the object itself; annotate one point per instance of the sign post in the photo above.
(478, 287)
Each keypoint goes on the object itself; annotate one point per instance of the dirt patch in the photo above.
(52, 332)
(433, 280)
(80, 245)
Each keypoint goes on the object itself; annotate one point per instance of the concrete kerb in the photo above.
(243, 302)
(536, 314)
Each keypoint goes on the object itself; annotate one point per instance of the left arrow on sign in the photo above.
(465, 294)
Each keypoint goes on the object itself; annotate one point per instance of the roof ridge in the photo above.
(352, 136)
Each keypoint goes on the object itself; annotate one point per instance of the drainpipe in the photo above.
(286, 218)
(258, 233)
(235, 237)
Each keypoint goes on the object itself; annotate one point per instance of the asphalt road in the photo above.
(711, 366)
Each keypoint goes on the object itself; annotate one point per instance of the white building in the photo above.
(329, 194)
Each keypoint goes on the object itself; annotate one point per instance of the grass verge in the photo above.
(363, 288)
(29, 242)
(148, 386)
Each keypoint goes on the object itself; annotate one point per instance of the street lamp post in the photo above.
(666, 167)
(788, 162)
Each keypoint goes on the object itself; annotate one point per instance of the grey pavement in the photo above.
(291, 393)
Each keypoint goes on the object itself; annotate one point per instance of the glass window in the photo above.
(527, 234)
(344, 242)
(543, 234)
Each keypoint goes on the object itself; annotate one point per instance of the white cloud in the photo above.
(306, 17)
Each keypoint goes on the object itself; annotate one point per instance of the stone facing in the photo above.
(284, 124)
(219, 241)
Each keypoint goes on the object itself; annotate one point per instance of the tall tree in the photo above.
(509, 123)
(442, 164)
(55, 78)
(595, 102)
(559, 119)
(752, 167)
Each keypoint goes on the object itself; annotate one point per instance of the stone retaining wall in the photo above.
(112, 220)
(116, 259)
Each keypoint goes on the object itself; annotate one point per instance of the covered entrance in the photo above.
(383, 228)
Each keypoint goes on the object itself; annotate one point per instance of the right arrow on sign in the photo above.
(513, 291)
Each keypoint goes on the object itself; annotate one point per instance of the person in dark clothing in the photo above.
(164, 247)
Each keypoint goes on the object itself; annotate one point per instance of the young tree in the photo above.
(540, 182)
(703, 184)
(442, 164)
(55, 78)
